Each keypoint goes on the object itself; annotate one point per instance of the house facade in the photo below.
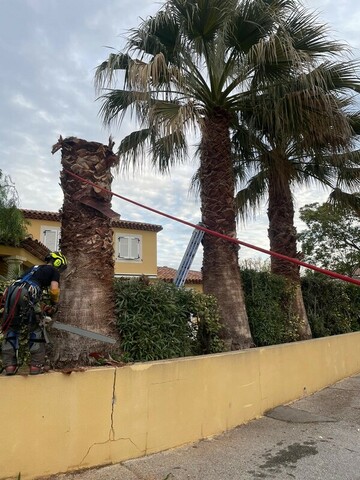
(135, 248)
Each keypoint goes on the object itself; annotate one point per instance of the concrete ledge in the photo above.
(58, 423)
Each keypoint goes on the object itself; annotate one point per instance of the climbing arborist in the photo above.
(23, 309)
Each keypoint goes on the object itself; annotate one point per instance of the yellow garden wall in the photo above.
(62, 422)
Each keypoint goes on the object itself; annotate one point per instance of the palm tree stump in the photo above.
(87, 299)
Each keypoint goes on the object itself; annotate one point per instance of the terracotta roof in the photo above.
(41, 215)
(55, 217)
(35, 247)
(168, 274)
(136, 225)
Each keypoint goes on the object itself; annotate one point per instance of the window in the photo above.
(129, 247)
(50, 236)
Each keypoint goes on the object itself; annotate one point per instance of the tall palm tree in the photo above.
(315, 148)
(87, 299)
(194, 65)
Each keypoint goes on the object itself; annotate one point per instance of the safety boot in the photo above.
(11, 370)
(36, 369)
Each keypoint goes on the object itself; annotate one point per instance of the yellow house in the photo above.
(135, 247)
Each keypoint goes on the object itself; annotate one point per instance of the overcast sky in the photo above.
(48, 52)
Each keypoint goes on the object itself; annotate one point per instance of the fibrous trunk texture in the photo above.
(221, 272)
(282, 236)
(87, 299)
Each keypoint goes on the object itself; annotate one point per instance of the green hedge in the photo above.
(267, 299)
(332, 306)
(158, 321)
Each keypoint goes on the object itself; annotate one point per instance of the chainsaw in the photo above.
(49, 322)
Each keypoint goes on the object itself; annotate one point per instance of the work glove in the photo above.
(46, 321)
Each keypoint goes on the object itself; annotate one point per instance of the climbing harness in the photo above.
(34, 292)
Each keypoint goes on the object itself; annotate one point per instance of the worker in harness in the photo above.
(23, 309)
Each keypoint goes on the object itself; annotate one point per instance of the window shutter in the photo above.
(134, 248)
(50, 239)
(123, 247)
(129, 247)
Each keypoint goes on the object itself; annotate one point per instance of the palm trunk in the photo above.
(282, 236)
(86, 239)
(221, 273)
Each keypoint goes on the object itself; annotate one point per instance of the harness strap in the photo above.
(10, 317)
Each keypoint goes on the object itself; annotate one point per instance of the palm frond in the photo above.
(349, 177)
(116, 102)
(201, 20)
(159, 34)
(333, 76)
(344, 199)
(131, 148)
(174, 116)
(354, 119)
(249, 199)
(169, 150)
(310, 36)
(104, 73)
(251, 22)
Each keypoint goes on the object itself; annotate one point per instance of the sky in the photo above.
(49, 50)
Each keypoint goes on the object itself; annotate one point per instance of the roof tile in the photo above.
(168, 274)
(56, 216)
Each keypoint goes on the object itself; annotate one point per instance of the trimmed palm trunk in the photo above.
(221, 272)
(282, 236)
(87, 298)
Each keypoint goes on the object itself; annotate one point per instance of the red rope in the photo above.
(224, 237)
(10, 317)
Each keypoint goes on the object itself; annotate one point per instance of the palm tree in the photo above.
(87, 299)
(195, 65)
(314, 148)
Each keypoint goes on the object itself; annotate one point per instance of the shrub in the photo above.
(332, 306)
(158, 321)
(267, 299)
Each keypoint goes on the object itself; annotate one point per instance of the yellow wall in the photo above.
(30, 259)
(62, 422)
(34, 227)
(148, 264)
(198, 287)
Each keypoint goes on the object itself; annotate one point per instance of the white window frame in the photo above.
(129, 248)
(55, 245)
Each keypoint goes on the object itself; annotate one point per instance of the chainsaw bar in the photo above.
(82, 332)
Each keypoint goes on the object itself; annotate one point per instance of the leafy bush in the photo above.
(12, 222)
(158, 321)
(267, 299)
(333, 307)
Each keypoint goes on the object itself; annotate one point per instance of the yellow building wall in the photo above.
(34, 227)
(64, 422)
(28, 259)
(198, 287)
(148, 263)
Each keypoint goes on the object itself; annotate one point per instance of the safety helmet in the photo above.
(57, 259)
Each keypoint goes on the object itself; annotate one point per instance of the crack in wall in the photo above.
(113, 402)
(142, 452)
(112, 429)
